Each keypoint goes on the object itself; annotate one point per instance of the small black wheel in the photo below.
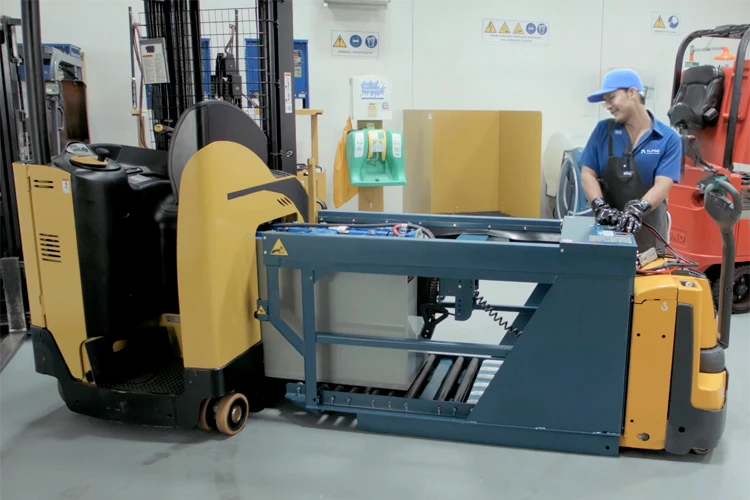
(701, 451)
(231, 413)
(740, 289)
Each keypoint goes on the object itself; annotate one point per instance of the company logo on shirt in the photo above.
(650, 151)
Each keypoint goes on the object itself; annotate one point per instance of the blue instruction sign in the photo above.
(542, 29)
(531, 28)
(665, 23)
(355, 43)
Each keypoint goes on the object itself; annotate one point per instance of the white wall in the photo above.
(329, 76)
(654, 55)
(434, 54)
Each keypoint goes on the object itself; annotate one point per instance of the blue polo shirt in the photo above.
(658, 152)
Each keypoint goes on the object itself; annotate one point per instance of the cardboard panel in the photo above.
(418, 144)
(473, 161)
(465, 162)
(520, 159)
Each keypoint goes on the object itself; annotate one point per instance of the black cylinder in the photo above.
(465, 386)
(450, 379)
(195, 45)
(31, 25)
(421, 380)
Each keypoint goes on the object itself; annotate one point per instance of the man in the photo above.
(630, 162)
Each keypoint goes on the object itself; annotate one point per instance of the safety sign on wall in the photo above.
(515, 31)
(665, 23)
(355, 43)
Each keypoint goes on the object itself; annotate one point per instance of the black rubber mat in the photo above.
(167, 380)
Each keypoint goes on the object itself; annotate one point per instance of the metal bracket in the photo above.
(12, 284)
(463, 290)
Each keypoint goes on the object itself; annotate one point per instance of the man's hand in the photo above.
(632, 216)
(605, 215)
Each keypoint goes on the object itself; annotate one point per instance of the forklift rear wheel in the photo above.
(740, 289)
(741, 295)
(231, 413)
(701, 451)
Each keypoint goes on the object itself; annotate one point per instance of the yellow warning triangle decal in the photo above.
(518, 29)
(504, 28)
(659, 23)
(340, 43)
(278, 249)
(261, 310)
(490, 28)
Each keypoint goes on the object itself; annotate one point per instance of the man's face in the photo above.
(620, 104)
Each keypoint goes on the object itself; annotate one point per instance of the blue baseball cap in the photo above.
(615, 80)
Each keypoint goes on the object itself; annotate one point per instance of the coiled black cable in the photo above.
(495, 315)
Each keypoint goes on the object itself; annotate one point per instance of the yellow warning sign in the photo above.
(278, 249)
(490, 28)
(518, 30)
(261, 310)
(504, 28)
(339, 43)
(659, 23)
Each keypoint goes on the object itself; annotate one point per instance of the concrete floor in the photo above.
(49, 453)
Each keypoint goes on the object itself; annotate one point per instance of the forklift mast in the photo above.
(12, 131)
(204, 61)
(21, 138)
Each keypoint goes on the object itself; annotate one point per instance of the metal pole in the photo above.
(32, 50)
(133, 48)
(195, 43)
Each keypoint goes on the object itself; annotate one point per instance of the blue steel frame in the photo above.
(562, 384)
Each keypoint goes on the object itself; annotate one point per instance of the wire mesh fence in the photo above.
(233, 65)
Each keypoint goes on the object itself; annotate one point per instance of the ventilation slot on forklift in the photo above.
(284, 201)
(42, 184)
(49, 247)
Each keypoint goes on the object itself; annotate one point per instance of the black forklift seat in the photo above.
(207, 122)
(698, 101)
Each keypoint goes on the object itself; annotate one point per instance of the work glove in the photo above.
(605, 215)
(632, 216)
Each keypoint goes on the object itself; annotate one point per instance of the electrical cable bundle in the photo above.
(677, 261)
(422, 232)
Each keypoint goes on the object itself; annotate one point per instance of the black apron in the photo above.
(620, 184)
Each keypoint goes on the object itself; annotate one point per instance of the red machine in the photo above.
(711, 110)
